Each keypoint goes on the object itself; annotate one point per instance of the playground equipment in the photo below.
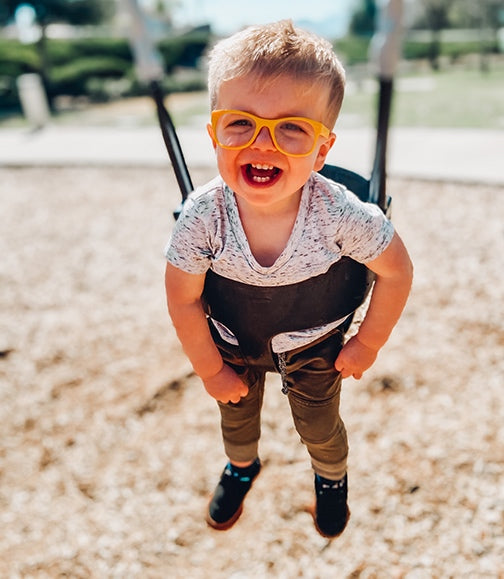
(267, 311)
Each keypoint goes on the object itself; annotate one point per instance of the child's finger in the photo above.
(345, 373)
(241, 393)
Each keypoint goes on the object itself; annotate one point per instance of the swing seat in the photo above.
(255, 314)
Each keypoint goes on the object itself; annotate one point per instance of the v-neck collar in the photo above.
(241, 238)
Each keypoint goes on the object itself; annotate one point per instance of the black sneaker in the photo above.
(226, 505)
(330, 512)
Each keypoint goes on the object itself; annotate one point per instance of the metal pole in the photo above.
(172, 146)
(385, 50)
(149, 69)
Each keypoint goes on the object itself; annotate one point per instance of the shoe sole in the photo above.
(312, 509)
(226, 524)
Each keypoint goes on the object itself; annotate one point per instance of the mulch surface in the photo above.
(110, 448)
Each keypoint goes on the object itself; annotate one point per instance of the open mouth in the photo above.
(260, 173)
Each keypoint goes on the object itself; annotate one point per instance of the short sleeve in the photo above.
(364, 231)
(188, 247)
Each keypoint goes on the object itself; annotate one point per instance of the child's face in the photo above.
(260, 174)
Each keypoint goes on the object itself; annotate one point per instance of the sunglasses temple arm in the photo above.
(173, 147)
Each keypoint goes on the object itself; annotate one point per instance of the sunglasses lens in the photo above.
(295, 136)
(234, 130)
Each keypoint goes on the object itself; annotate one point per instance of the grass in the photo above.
(454, 97)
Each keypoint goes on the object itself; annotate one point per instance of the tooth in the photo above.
(262, 167)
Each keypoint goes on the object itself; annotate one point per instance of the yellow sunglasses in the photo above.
(293, 136)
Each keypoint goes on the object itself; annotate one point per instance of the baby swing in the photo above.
(267, 311)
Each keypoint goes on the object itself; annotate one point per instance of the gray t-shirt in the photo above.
(331, 223)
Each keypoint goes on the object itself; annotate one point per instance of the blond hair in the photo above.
(274, 50)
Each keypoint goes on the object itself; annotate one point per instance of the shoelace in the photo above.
(335, 485)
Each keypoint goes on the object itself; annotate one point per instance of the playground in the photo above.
(110, 446)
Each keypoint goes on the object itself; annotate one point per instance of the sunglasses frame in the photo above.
(319, 128)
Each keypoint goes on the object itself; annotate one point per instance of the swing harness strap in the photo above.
(256, 314)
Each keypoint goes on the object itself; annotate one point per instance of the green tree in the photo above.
(75, 12)
(363, 21)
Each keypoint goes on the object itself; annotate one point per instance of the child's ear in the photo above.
(323, 151)
(211, 134)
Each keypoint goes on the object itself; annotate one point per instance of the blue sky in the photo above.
(226, 16)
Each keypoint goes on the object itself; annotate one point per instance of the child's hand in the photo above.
(226, 386)
(355, 358)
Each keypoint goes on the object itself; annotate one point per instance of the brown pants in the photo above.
(313, 390)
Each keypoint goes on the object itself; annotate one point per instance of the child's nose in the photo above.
(264, 139)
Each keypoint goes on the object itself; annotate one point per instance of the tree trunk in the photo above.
(45, 66)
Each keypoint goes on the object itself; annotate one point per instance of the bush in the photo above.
(93, 67)
(99, 47)
(17, 58)
(417, 50)
(73, 78)
(455, 50)
(412, 50)
(353, 49)
(184, 83)
(184, 50)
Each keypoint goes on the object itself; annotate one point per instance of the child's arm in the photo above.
(394, 275)
(183, 295)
